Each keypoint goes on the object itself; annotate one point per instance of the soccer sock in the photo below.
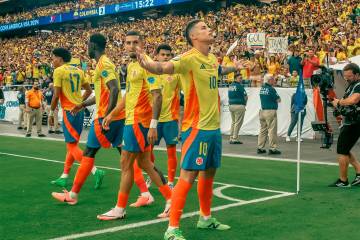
(69, 160)
(93, 170)
(122, 200)
(74, 149)
(165, 190)
(82, 173)
(178, 200)
(205, 193)
(64, 175)
(172, 163)
(139, 178)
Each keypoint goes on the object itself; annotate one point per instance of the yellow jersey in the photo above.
(105, 72)
(139, 84)
(170, 97)
(199, 77)
(69, 79)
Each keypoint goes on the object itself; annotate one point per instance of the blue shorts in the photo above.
(98, 138)
(72, 126)
(201, 149)
(169, 131)
(135, 138)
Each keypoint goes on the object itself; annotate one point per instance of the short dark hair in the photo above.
(63, 53)
(353, 67)
(135, 33)
(188, 29)
(163, 46)
(99, 40)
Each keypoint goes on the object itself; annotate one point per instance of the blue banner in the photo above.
(88, 13)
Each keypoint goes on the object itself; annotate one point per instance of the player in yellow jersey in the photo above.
(68, 82)
(201, 137)
(143, 105)
(107, 94)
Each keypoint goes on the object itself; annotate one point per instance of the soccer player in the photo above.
(107, 94)
(143, 105)
(68, 81)
(201, 136)
(167, 127)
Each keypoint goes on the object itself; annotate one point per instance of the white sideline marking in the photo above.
(154, 221)
(117, 169)
(289, 160)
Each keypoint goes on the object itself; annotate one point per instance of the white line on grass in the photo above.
(117, 169)
(154, 221)
(290, 160)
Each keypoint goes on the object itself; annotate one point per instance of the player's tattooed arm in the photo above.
(238, 65)
(158, 68)
(113, 87)
(157, 103)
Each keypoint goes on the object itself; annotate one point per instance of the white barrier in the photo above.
(10, 110)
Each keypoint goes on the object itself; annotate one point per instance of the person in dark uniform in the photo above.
(22, 120)
(237, 102)
(48, 97)
(268, 115)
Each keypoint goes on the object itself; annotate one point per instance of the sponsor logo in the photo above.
(199, 161)
(151, 80)
(2, 112)
(202, 66)
(104, 74)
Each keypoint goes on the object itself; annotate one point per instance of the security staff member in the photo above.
(237, 101)
(350, 129)
(48, 97)
(22, 120)
(268, 115)
(33, 101)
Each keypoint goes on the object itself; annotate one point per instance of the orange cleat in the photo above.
(143, 201)
(64, 197)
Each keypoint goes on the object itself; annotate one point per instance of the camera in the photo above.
(352, 113)
(324, 79)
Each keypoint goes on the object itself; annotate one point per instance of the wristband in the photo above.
(51, 113)
(154, 123)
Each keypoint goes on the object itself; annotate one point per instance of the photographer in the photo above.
(349, 106)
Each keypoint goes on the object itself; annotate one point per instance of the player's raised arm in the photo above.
(239, 64)
(158, 68)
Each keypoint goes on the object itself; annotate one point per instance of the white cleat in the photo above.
(166, 212)
(113, 214)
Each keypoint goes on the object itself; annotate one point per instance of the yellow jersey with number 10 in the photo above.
(199, 77)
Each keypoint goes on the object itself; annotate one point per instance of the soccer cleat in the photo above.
(211, 223)
(261, 151)
(356, 181)
(143, 201)
(340, 183)
(113, 214)
(99, 176)
(166, 212)
(148, 182)
(64, 197)
(174, 234)
(61, 182)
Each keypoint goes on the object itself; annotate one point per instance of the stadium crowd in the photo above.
(54, 9)
(328, 27)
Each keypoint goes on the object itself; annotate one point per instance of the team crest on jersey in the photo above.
(199, 161)
(104, 73)
(151, 80)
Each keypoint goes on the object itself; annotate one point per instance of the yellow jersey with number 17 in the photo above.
(69, 79)
(105, 72)
(199, 77)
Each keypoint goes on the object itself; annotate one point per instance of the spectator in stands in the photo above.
(22, 119)
(269, 99)
(294, 79)
(256, 69)
(294, 62)
(237, 102)
(34, 107)
(2, 98)
(310, 63)
(294, 117)
(49, 92)
(273, 66)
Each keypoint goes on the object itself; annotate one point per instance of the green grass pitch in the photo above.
(253, 196)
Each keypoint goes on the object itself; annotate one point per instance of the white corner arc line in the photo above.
(117, 169)
(154, 221)
(218, 192)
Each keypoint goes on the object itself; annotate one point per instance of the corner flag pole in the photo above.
(298, 153)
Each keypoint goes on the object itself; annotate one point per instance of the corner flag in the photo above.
(300, 95)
